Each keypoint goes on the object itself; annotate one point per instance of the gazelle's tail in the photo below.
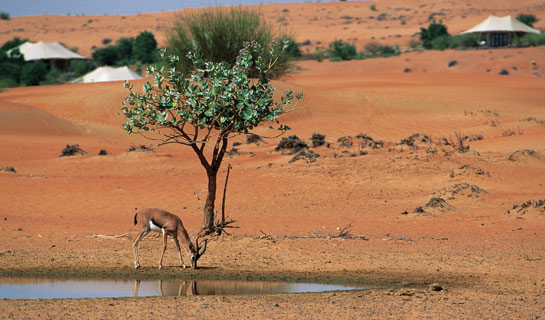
(135, 220)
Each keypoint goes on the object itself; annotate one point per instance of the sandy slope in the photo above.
(489, 261)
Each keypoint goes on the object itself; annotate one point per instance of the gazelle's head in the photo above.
(196, 252)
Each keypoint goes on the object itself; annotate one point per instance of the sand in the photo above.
(73, 215)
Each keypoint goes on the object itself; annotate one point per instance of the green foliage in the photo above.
(80, 67)
(342, 51)
(4, 15)
(13, 43)
(33, 73)
(215, 96)
(434, 30)
(106, 56)
(529, 40)
(441, 42)
(465, 41)
(527, 19)
(144, 47)
(375, 49)
(11, 66)
(292, 50)
(127, 51)
(7, 83)
(124, 48)
(54, 76)
(373, 7)
(219, 34)
(414, 44)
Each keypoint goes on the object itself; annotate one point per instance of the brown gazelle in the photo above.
(169, 224)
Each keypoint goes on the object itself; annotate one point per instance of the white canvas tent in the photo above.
(109, 74)
(54, 52)
(499, 31)
(46, 51)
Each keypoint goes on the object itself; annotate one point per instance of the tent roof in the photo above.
(42, 50)
(109, 74)
(501, 24)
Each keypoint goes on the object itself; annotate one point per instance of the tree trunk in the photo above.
(208, 210)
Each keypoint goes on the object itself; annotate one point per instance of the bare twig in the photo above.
(344, 233)
(197, 195)
(110, 236)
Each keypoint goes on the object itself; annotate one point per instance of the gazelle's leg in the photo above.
(135, 288)
(179, 251)
(161, 287)
(164, 249)
(139, 237)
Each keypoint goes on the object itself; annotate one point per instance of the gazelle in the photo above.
(169, 224)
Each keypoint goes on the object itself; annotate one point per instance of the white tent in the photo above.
(500, 31)
(501, 24)
(109, 74)
(46, 51)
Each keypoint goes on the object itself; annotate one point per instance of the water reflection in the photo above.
(43, 288)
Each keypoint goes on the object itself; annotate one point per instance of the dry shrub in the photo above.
(292, 144)
(72, 150)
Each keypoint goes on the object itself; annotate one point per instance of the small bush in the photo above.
(345, 142)
(375, 49)
(452, 63)
(4, 16)
(382, 17)
(72, 150)
(414, 44)
(527, 19)
(305, 154)
(504, 72)
(292, 144)
(441, 43)
(373, 7)
(79, 67)
(10, 69)
(342, 51)
(127, 51)
(144, 48)
(434, 30)
(220, 34)
(253, 138)
(529, 40)
(317, 139)
(33, 73)
(106, 56)
(7, 83)
(54, 76)
(465, 41)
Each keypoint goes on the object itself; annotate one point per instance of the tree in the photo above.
(210, 105)
(33, 73)
(13, 43)
(106, 56)
(527, 19)
(434, 30)
(124, 49)
(144, 47)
